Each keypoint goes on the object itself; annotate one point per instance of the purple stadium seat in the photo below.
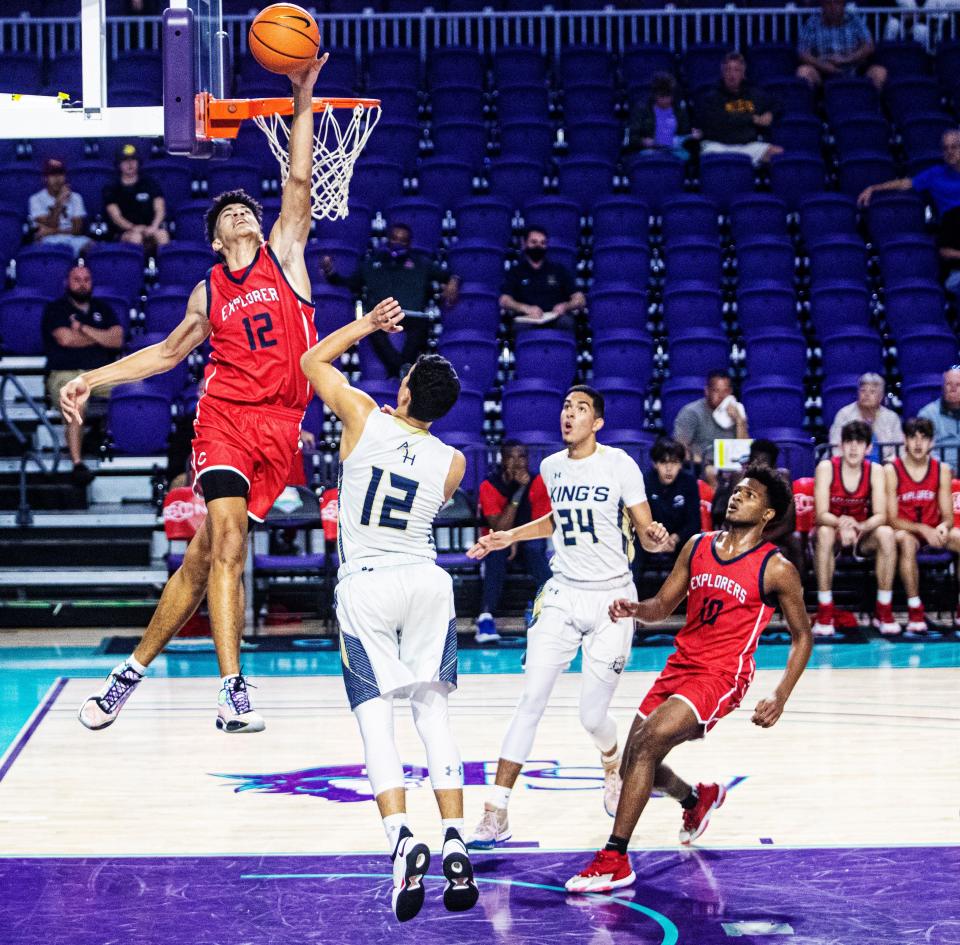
(851, 348)
(550, 356)
(777, 351)
(584, 65)
(531, 410)
(165, 309)
(600, 139)
(774, 401)
(120, 307)
(624, 403)
(184, 263)
(22, 72)
(389, 67)
(474, 355)
(588, 103)
(640, 63)
(465, 417)
(757, 216)
(139, 420)
(476, 309)
(849, 96)
(72, 151)
(922, 134)
(175, 179)
(947, 63)
(523, 103)
(135, 96)
(89, 180)
(907, 306)
(916, 393)
(395, 141)
(768, 260)
(21, 314)
(908, 95)
(352, 231)
(527, 140)
(677, 392)
(372, 369)
(518, 66)
(693, 261)
(763, 307)
(843, 304)
(446, 182)
(64, 73)
(688, 307)
(837, 391)
(913, 259)
(922, 349)
(453, 66)
(477, 263)
(618, 217)
(767, 61)
(690, 216)
(841, 259)
(655, 178)
(17, 184)
(190, 221)
(333, 307)
(796, 448)
(585, 180)
(424, 218)
(484, 218)
(623, 353)
(235, 175)
(11, 234)
(796, 177)
(698, 351)
(43, 268)
(464, 141)
(516, 181)
(399, 103)
(558, 216)
(624, 261)
(868, 133)
(860, 170)
(894, 216)
(701, 64)
(345, 258)
(119, 266)
(382, 390)
(380, 182)
(799, 134)
(823, 216)
(615, 307)
(139, 67)
(565, 255)
(794, 95)
(725, 176)
(903, 58)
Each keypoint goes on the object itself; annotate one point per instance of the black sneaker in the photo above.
(461, 893)
(411, 860)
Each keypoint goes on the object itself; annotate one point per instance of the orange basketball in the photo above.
(284, 38)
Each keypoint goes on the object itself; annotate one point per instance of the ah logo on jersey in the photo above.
(408, 457)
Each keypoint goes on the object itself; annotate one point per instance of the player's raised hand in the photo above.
(493, 541)
(306, 78)
(73, 396)
(767, 711)
(622, 607)
(386, 316)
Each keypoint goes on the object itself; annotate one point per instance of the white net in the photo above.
(337, 142)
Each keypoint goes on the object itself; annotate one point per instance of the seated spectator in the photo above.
(399, 272)
(661, 123)
(944, 414)
(736, 114)
(850, 505)
(80, 333)
(920, 509)
(942, 183)
(868, 407)
(57, 214)
(836, 42)
(674, 500)
(135, 205)
(717, 416)
(538, 290)
(510, 497)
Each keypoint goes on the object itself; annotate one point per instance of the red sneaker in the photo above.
(608, 870)
(823, 625)
(696, 820)
(884, 621)
(916, 620)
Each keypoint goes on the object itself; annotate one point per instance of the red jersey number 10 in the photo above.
(259, 337)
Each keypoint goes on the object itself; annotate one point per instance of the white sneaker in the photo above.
(493, 829)
(824, 630)
(411, 860)
(102, 708)
(461, 892)
(235, 716)
(612, 784)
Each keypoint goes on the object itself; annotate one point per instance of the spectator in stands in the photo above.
(850, 504)
(716, 416)
(868, 407)
(674, 499)
(735, 115)
(920, 510)
(836, 42)
(399, 272)
(661, 122)
(538, 291)
(80, 333)
(135, 204)
(944, 414)
(57, 214)
(509, 497)
(942, 183)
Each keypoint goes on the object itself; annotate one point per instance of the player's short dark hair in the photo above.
(224, 200)
(920, 425)
(762, 447)
(595, 396)
(779, 492)
(533, 228)
(666, 450)
(856, 431)
(719, 375)
(434, 388)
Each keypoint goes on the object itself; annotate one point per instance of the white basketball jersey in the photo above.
(391, 488)
(592, 537)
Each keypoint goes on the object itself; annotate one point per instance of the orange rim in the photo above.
(221, 118)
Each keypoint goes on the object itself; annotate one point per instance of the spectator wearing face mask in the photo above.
(397, 271)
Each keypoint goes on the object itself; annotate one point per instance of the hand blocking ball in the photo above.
(284, 38)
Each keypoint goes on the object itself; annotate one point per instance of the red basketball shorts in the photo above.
(711, 696)
(259, 443)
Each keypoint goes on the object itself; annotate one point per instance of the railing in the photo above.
(486, 30)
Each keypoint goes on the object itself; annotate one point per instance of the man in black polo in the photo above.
(537, 291)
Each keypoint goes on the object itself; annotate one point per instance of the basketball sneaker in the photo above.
(486, 629)
(916, 620)
(102, 708)
(461, 892)
(823, 625)
(696, 820)
(612, 784)
(607, 870)
(411, 860)
(235, 715)
(884, 620)
(493, 829)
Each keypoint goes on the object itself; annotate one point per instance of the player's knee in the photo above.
(885, 539)
(533, 704)
(906, 543)
(592, 718)
(228, 547)
(808, 74)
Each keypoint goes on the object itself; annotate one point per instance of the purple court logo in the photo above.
(348, 784)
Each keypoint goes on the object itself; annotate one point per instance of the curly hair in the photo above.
(779, 492)
(224, 200)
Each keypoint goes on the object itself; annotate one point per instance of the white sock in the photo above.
(499, 797)
(136, 666)
(824, 597)
(225, 679)
(392, 824)
(884, 597)
(914, 602)
(455, 822)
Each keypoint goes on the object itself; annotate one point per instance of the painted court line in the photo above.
(31, 725)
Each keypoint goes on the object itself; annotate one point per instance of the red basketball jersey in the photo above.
(260, 328)
(726, 608)
(917, 501)
(857, 504)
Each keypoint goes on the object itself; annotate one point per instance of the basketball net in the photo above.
(335, 151)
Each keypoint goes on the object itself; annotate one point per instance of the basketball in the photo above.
(284, 38)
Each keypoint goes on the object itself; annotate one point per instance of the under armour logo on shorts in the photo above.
(617, 665)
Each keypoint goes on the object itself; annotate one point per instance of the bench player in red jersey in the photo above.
(850, 503)
(254, 306)
(920, 507)
(733, 580)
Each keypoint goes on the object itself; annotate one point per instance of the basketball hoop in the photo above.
(336, 145)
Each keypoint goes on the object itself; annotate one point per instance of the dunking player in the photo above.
(920, 507)
(732, 579)
(596, 493)
(398, 633)
(254, 306)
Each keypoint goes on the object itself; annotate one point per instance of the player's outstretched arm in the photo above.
(496, 541)
(782, 581)
(656, 609)
(146, 362)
